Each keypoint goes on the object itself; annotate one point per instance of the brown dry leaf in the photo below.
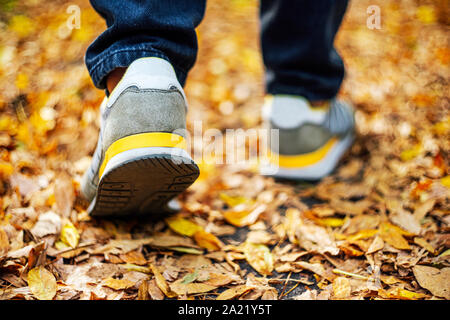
(234, 292)
(4, 242)
(143, 291)
(437, 281)
(48, 223)
(64, 194)
(42, 283)
(218, 279)
(259, 257)
(393, 235)
(162, 283)
(207, 240)
(270, 294)
(181, 288)
(244, 218)
(118, 284)
(421, 211)
(317, 268)
(134, 257)
(341, 287)
(154, 291)
(315, 238)
(377, 244)
(405, 220)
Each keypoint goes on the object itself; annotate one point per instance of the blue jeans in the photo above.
(296, 37)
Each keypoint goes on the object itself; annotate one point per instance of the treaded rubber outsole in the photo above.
(143, 186)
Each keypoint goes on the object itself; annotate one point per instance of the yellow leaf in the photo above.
(42, 283)
(330, 222)
(21, 25)
(133, 267)
(162, 283)
(70, 235)
(118, 284)
(424, 244)
(243, 218)
(6, 169)
(234, 292)
(426, 14)
(207, 240)
(233, 201)
(445, 181)
(393, 235)
(259, 257)
(21, 81)
(363, 234)
(410, 154)
(403, 294)
(183, 226)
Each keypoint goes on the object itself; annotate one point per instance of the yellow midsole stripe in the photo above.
(302, 160)
(142, 140)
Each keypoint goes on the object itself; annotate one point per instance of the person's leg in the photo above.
(141, 161)
(303, 76)
(151, 28)
(297, 45)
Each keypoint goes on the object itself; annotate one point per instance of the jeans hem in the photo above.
(307, 93)
(109, 61)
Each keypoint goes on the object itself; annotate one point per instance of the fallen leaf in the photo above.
(259, 257)
(143, 291)
(154, 291)
(134, 257)
(424, 244)
(435, 280)
(4, 242)
(377, 244)
(181, 288)
(218, 279)
(70, 235)
(183, 226)
(315, 238)
(393, 235)
(341, 288)
(42, 283)
(234, 292)
(48, 223)
(405, 220)
(118, 284)
(207, 240)
(244, 218)
(162, 283)
(422, 210)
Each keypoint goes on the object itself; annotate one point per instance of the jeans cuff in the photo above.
(108, 61)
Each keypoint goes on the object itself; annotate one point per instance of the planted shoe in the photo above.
(141, 161)
(312, 139)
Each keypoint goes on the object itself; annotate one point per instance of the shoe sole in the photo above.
(143, 186)
(141, 174)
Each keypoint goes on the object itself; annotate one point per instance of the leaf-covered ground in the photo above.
(378, 228)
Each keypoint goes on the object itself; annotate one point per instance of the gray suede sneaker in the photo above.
(141, 161)
(311, 139)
